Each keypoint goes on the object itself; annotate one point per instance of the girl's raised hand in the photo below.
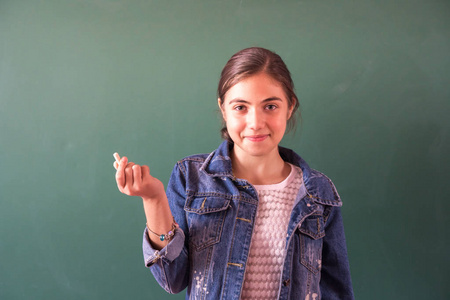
(135, 180)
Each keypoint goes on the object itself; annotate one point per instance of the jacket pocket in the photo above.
(311, 242)
(205, 216)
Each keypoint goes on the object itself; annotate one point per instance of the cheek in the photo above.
(233, 123)
(278, 119)
(235, 126)
(279, 125)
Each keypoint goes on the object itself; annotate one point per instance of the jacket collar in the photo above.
(218, 164)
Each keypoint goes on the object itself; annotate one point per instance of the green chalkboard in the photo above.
(81, 79)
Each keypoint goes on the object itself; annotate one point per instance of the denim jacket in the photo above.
(216, 214)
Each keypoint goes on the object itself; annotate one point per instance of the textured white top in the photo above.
(267, 249)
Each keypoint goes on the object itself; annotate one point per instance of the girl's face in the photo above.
(256, 111)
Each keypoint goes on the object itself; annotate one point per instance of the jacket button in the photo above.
(286, 282)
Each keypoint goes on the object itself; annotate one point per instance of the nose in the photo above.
(255, 119)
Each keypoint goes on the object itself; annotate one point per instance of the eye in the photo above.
(271, 107)
(239, 107)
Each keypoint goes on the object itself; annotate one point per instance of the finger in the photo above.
(145, 172)
(116, 165)
(123, 162)
(129, 174)
(120, 174)
(137, 175)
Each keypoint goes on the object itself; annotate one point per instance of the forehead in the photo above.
(256, 87)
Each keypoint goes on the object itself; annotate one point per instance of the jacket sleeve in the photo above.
(335, 280)
(170, 265)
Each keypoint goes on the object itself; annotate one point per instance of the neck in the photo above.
(260, 170)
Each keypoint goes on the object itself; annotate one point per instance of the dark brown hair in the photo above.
(251, 61)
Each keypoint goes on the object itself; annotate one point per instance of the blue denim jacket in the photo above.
(216, 214)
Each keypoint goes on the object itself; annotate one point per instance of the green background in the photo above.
(82, 79)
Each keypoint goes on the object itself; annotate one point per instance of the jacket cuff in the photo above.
(168, 254)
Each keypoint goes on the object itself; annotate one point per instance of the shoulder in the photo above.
(318, 185)
(191, 162)
(215, 164)
(196, 158)
(321, 188)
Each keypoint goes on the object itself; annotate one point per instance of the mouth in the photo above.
(257, 138)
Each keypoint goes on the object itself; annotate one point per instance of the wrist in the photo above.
(153, 200)
(155, 208)
(165, 236)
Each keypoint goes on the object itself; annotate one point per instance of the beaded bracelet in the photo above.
(165, 237)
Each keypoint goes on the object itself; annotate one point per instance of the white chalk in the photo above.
(117, 158)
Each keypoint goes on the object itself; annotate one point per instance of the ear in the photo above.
(291, 109)
(221, 109)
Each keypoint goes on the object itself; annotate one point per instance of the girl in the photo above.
(251, 220)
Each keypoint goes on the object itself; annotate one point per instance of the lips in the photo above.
(257, 138)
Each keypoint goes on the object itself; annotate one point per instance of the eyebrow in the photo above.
(239, 100)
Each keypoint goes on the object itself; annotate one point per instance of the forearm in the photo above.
(168, 261)
(159, 219)
(171, 269)
(336, 280)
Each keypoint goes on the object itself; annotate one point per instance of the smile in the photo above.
(257, 138)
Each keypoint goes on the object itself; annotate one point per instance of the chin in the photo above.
(258, 150)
